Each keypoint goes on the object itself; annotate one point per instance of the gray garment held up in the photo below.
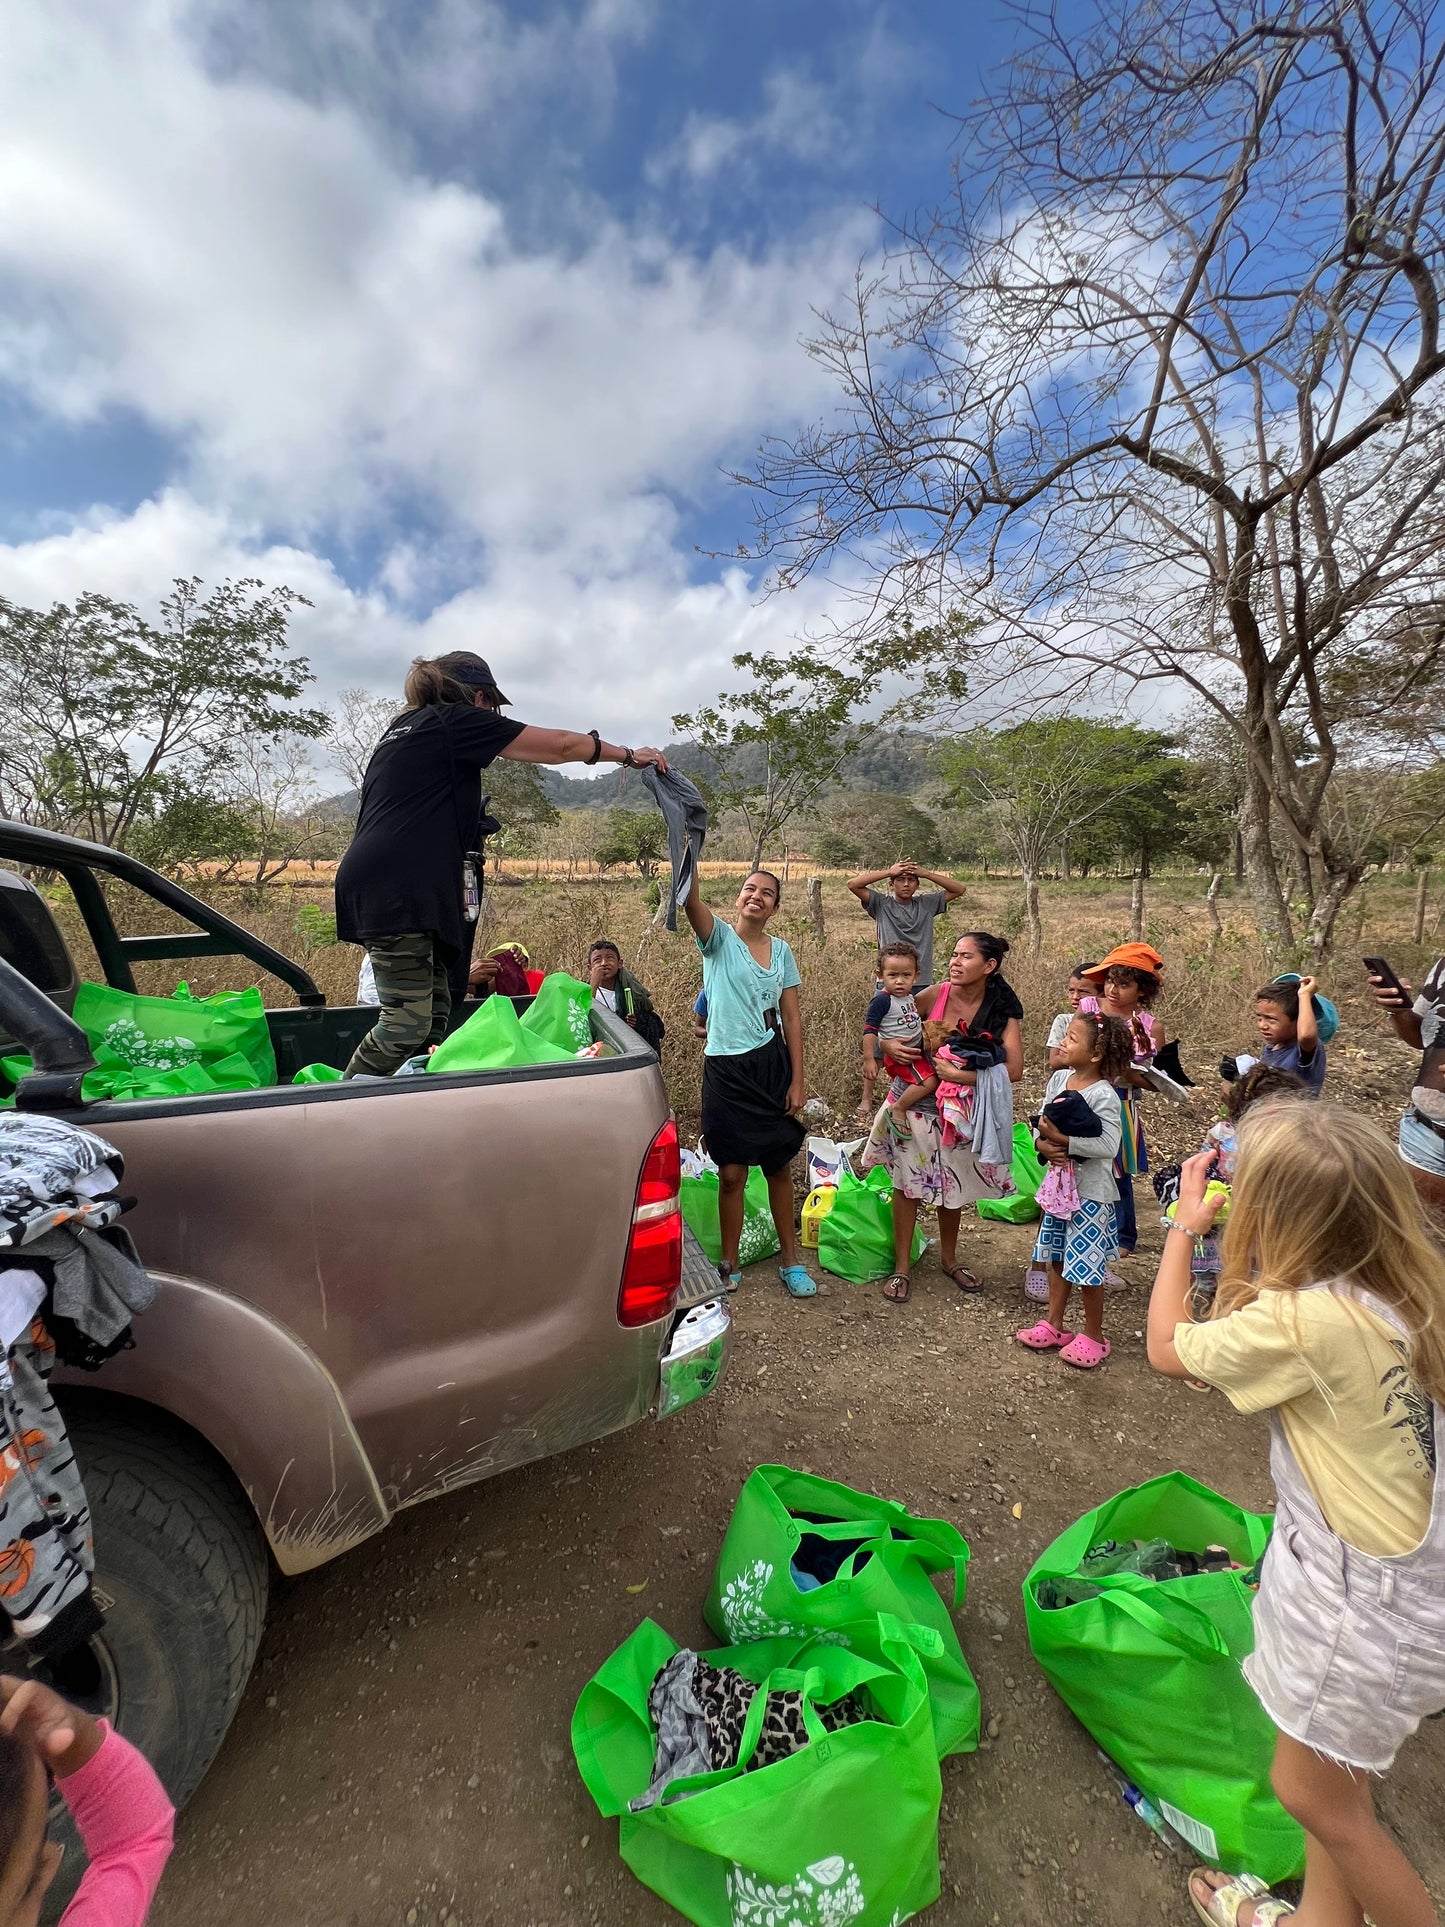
(685, 814)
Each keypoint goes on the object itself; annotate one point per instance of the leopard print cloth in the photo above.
(699, 1711)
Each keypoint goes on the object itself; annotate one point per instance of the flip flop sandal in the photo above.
(966, 1280)
(1043, 1337)
(728, 1278)
(1085, 1353)
(897, 1288)
(798, 1281)
(1228, 1902)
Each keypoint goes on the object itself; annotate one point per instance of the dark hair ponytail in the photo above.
(991, 948)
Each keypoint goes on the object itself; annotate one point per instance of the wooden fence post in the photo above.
(1422, 889)
(1211, 904)
(814, 889)
(1136, 906)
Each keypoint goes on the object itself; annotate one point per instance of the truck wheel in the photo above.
(181, 1573)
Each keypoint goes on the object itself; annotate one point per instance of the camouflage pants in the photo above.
(416, 1000)
(46, 1554)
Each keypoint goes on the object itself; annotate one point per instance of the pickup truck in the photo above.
(370, 1293)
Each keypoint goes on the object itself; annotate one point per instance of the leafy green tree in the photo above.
(780, 743)
(835, 851)
(1047, 782)
(113, 723)
(632, 836)
(883, 827)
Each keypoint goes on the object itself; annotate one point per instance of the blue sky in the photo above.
(447, 312)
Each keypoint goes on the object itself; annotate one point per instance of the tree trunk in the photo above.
(758, 851)
(1270, 908)
(814, 889)
(1031, 910)
(1328, 904)
(1422, 890)
(1211, 904)
(1238, 855)
(1065, 871)
(1303, 886)
(1136, 908)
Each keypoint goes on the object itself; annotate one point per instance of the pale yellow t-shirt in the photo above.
(1357, 1421)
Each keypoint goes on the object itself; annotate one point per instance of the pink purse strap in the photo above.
(941, 1005)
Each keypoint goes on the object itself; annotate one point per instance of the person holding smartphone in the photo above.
(1419, 1021)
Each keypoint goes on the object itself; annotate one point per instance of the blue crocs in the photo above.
(797, 1280)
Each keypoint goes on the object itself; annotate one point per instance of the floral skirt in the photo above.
(922, 1167)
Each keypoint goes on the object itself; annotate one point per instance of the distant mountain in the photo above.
(897, 764)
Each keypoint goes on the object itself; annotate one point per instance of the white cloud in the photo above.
(798, 118)
(334, 338)
(621, 654)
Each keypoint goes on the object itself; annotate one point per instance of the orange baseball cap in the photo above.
(1138, 956)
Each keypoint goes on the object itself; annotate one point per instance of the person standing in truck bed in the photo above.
(401, 888)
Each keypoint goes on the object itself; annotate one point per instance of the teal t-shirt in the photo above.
(740, 991)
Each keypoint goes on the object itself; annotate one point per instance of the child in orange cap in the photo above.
(1129, 980)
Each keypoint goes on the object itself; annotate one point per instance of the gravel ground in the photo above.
(402, 1753)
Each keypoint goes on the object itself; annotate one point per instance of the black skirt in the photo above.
(745, 1116)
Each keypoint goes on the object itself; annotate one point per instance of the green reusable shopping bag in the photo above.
(559, 1013)
(1152, 1669)
(113, 1081)
(759, 1237)
(755, 1596)
(317, 1074)
(855, 1240)
(842, 1833)
(492, 1039)
(168, 1033)
(1028, 1174)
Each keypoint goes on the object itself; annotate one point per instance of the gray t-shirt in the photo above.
(910, 922)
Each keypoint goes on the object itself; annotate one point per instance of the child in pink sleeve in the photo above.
(119, 1805)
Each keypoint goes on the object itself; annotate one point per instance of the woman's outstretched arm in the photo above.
(697, 912)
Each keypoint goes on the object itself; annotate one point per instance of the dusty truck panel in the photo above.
(462, 1297)
(371, 1292)
(294, 1449)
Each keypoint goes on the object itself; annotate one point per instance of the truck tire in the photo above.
(182, 1574)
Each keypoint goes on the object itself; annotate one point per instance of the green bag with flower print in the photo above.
(843, 1832)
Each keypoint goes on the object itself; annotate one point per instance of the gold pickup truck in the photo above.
(370, 1293)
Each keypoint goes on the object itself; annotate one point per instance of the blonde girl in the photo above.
(1330, 1317)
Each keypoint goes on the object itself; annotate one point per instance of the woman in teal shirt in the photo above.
(752, 1078)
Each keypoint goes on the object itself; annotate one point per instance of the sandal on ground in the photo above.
(897, 1288)
(1042, 1337)
(1085, 1353)
(965, 1279)
(798, 1281)
(728, 1278)
(1113, 1282)
(1227, 1903)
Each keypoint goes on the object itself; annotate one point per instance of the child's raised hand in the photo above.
(1307, 987)
(64, 1736)
(1194, 1212)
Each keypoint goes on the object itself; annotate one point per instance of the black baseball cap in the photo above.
(475, 671)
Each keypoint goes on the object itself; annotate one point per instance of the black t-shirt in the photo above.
(420, 810)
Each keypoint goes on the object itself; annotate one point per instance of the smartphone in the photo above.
(1377, 967)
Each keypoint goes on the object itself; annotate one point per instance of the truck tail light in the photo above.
(653, 1270)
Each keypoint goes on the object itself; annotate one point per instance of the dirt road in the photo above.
(401, 1759)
